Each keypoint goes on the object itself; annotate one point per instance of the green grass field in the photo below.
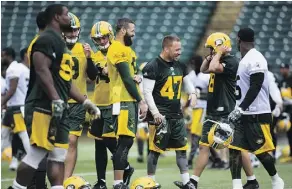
(167, 171)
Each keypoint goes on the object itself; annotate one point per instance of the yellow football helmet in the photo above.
(7, 154)
(217, 39)
(75, 25)
(286, 93)
(220, 135)
(144, 183)
(284, 124)
(101, 29)
(76, 182)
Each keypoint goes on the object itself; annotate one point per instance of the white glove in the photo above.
(91, 108)
(277, 111)
(235, 115)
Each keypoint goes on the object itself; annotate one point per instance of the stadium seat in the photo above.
(153, 20)
(272, 23)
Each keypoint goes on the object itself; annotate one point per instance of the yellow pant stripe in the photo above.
(76, 133)
(40, 128)
(19, 123)
(123, 120)
(196, 126)
(268, 145)
(65, 146)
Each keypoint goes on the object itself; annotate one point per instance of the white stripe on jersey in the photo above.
(20, 71)
(253, 62)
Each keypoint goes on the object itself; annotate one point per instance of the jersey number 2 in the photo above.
(167, 89)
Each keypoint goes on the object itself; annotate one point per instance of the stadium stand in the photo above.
(153, 20)
(272, 23)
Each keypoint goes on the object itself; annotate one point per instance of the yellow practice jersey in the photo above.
(79, 69)
(101, 96)
(118, 53)
(28, 52)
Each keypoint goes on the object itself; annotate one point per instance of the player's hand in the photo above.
(87, 50)
(277, 111)
(158, 118)
(58, 107)
(223, 49)
(193, 99)
(91, 108)
(235, 115)
(143, 108)
(104, 71)
(137, 79)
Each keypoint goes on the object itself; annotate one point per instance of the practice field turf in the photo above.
(167, 171)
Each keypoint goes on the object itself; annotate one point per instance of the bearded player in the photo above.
(83, 67)
(125, 96)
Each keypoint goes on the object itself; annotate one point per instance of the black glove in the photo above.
(58, 107)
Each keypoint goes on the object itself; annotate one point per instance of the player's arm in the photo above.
(87, 104)
(12, 88)
(189, 83)
(124, 71)
(148, 86)
(205, 65)
(215, 65)
(256, 71)
(91, 70)
(42, 64)
(274, 90)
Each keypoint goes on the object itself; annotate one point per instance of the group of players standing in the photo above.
(56, 104)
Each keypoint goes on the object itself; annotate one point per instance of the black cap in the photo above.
(285, 66)
(246, 34)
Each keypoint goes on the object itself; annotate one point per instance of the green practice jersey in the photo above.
(221, 91)
(168, 78)
(53, 46)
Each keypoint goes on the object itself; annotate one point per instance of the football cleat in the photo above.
(220, 134)
(251, 184)
(100, 185)
(101, 29)
(188, 185)
(127, 175)
(76, 182)
(121, 186)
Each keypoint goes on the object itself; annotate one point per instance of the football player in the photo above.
(17, 77)
(286, 91)
(102, 129)
(125, 97)
(198, 113)
(252, 114)
(41, 24)
(39, 180)
(222, 67)
(83, 67)
(48, 91)
(162, 87)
